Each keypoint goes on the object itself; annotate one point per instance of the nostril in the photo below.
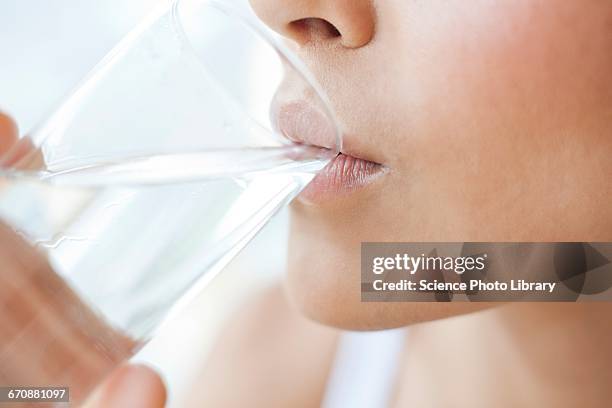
(313, 29)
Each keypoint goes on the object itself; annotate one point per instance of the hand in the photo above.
(37, 310)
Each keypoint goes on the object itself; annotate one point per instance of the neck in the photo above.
(524, 354)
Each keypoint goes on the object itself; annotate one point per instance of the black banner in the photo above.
(484, 272)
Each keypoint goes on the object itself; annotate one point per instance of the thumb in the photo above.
(130, 386)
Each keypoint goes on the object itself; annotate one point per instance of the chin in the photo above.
(349, 313)
(325, 288)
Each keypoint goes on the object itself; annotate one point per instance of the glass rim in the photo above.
(279, 48)
(63, 112)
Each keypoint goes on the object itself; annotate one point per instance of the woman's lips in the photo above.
(341, 176)
(302, 123)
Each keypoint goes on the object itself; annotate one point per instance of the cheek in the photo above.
(497, 98)
(521, 67)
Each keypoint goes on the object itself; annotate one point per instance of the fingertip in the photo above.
(152, 382)
(134, 386)
(8, 132)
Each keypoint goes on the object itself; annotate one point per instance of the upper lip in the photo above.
(302, 122)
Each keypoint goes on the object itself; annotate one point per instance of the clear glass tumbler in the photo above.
(145, 182)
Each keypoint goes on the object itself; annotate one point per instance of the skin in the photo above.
(493, 119)
(266, 345)
(512, 356)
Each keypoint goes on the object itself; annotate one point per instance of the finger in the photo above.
(133, 386)
(17, 153)
(23, 155)
(48, 335)
(8, 133)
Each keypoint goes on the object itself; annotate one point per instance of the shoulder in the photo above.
(267, 355)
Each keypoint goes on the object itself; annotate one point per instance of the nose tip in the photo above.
(351, 22)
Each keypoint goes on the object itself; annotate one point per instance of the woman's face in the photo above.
(492, 120)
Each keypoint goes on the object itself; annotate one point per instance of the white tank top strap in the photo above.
(364, 369)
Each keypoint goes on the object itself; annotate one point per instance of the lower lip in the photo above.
(342, 176)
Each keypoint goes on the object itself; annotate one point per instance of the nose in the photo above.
(352, 22)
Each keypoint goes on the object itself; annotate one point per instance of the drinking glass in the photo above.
(166, 160)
